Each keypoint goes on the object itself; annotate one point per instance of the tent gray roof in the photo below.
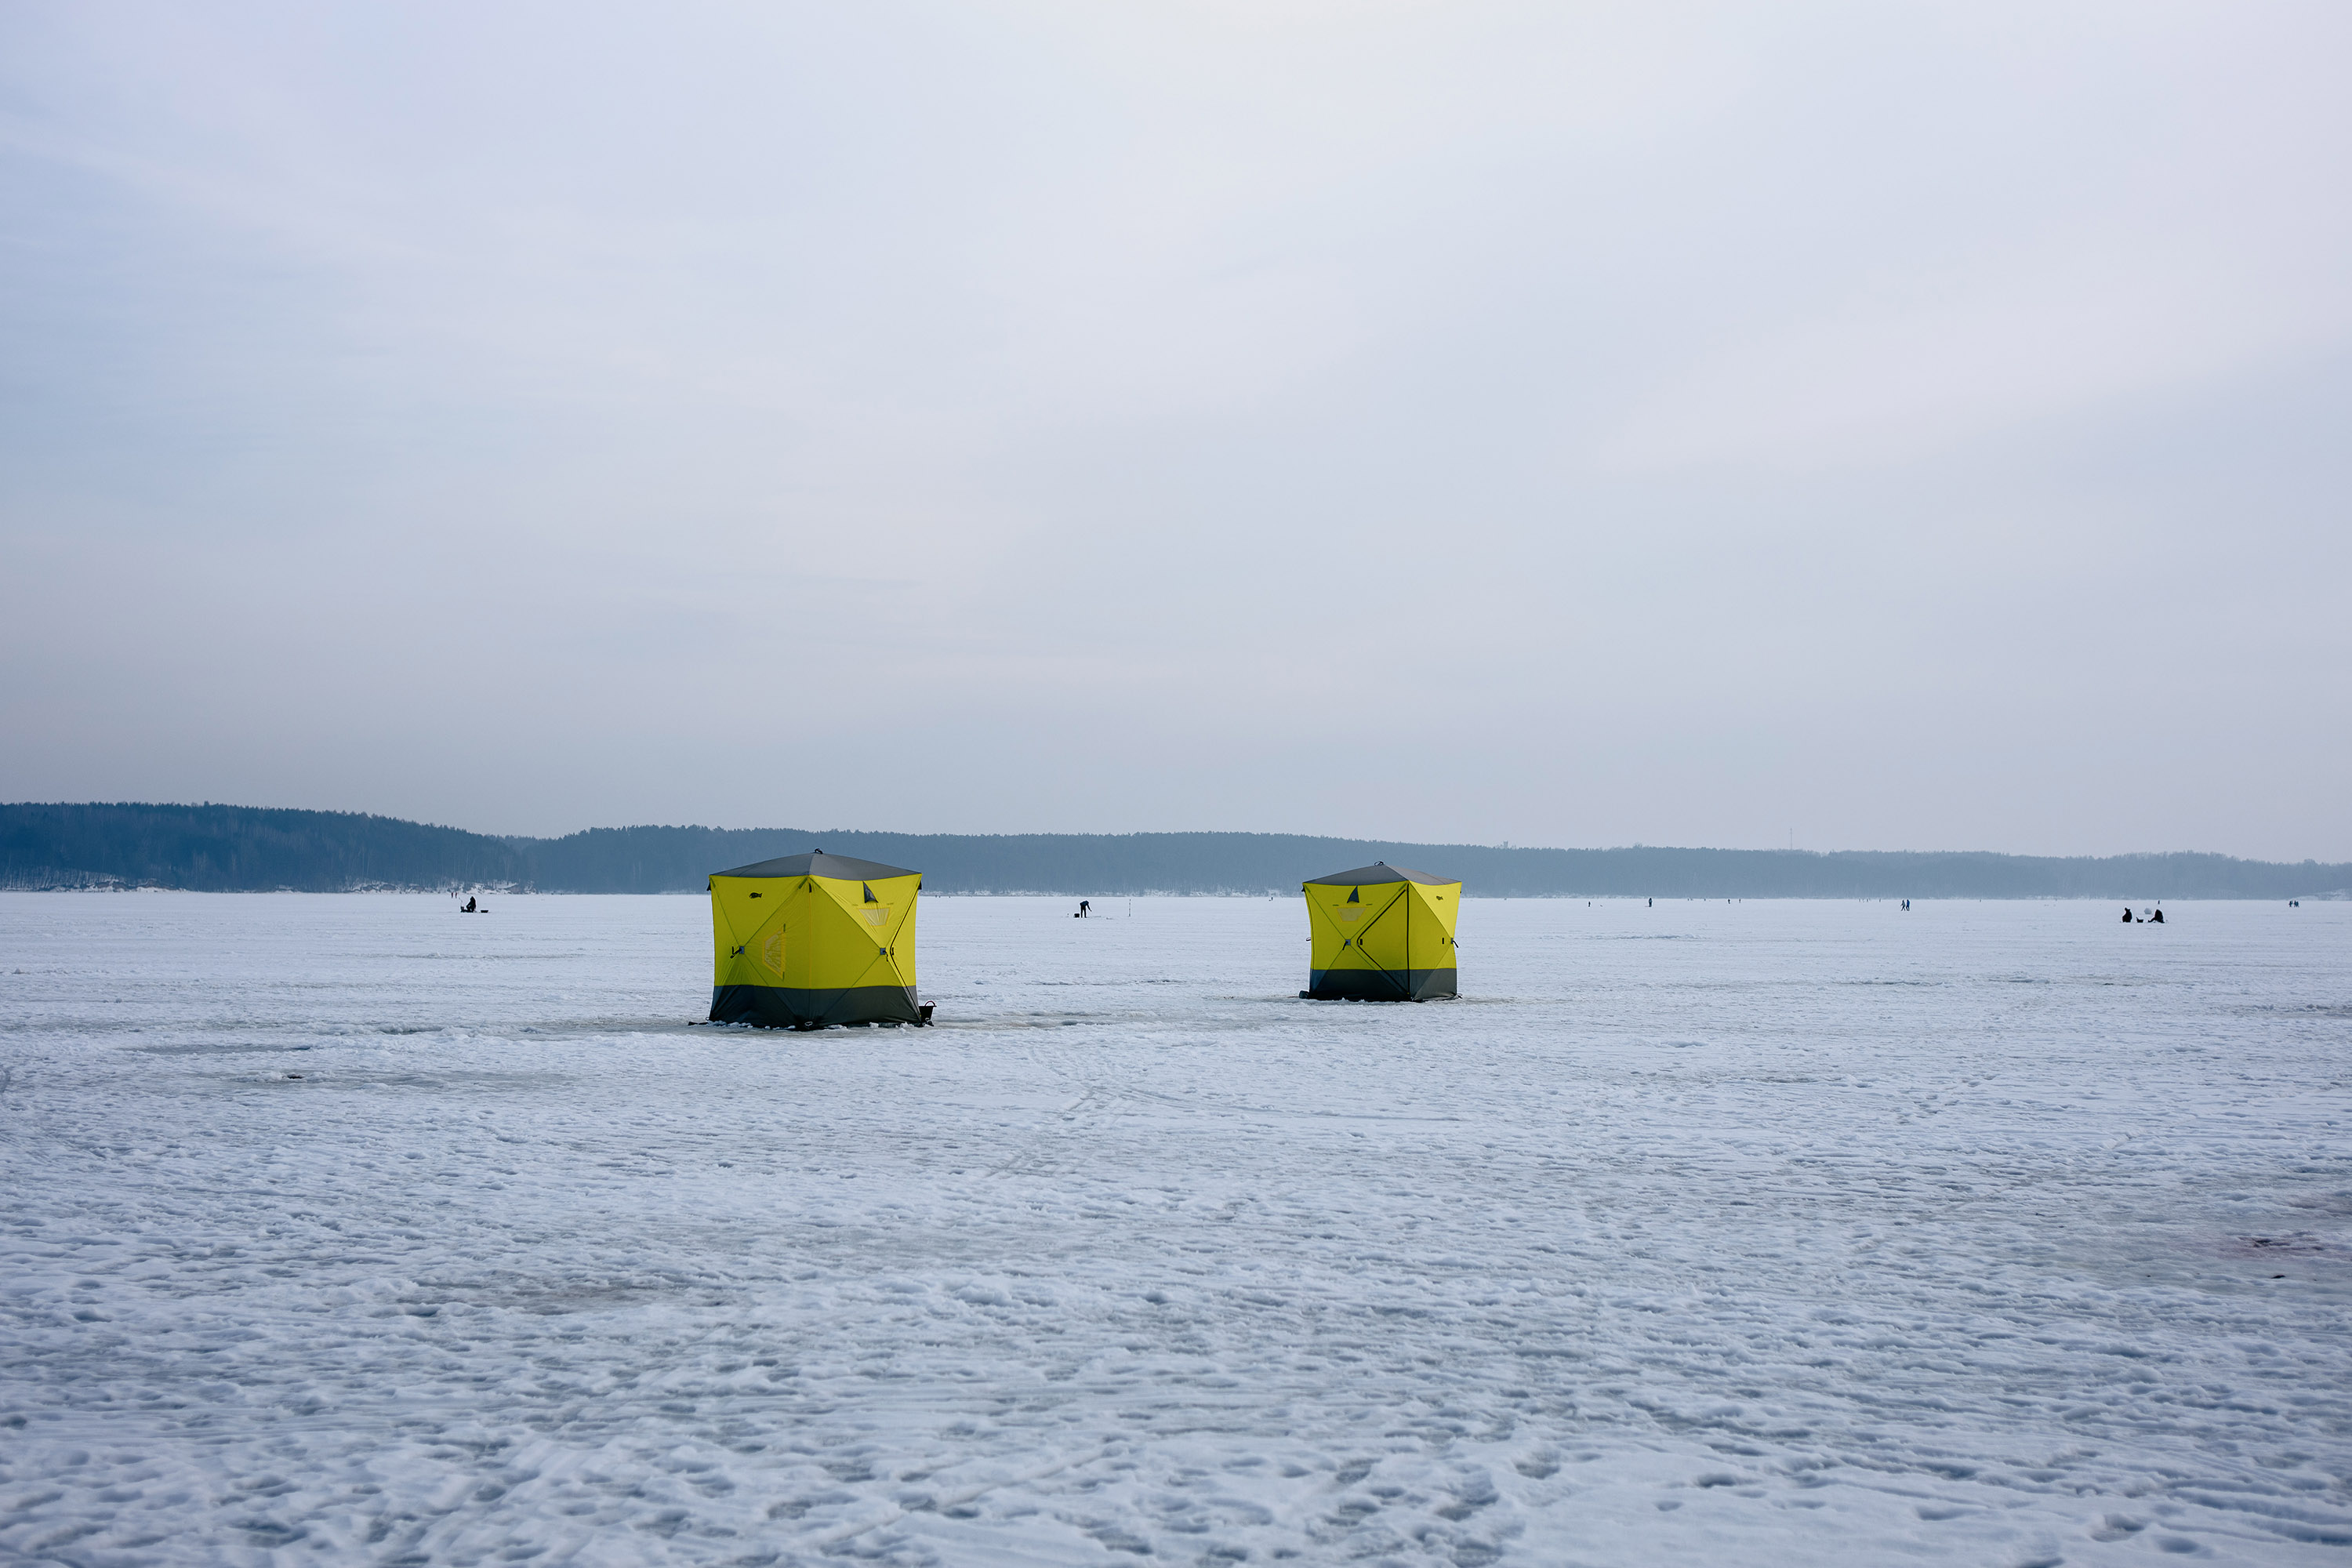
(818, 863)
(1368, 876)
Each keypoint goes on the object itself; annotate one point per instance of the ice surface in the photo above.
(355, 1229)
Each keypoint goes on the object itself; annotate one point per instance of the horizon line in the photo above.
(1505, 847)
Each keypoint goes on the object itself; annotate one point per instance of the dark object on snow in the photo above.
(924, 1009)
(468, 908)
(2127, 914)
(2156, 919)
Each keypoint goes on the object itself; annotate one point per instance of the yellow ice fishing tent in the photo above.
(1381, 934)
(812, 940)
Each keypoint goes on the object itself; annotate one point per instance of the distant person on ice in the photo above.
(1085, 908)
(2127, 914)
(2155, 919)
(469, 909)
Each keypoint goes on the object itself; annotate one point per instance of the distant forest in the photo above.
(235, 849)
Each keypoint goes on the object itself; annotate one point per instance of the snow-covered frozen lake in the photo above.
(351, 1229)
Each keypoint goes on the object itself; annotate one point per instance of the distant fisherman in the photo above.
(1085, 908)
(2127, 914)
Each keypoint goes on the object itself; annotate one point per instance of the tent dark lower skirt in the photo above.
(793, 1007)
(1378, 984)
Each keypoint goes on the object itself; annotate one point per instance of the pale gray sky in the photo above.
(1912, 426)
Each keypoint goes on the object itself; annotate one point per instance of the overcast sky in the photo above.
(1895, 427)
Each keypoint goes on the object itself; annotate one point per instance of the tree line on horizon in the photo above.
(231, 848)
